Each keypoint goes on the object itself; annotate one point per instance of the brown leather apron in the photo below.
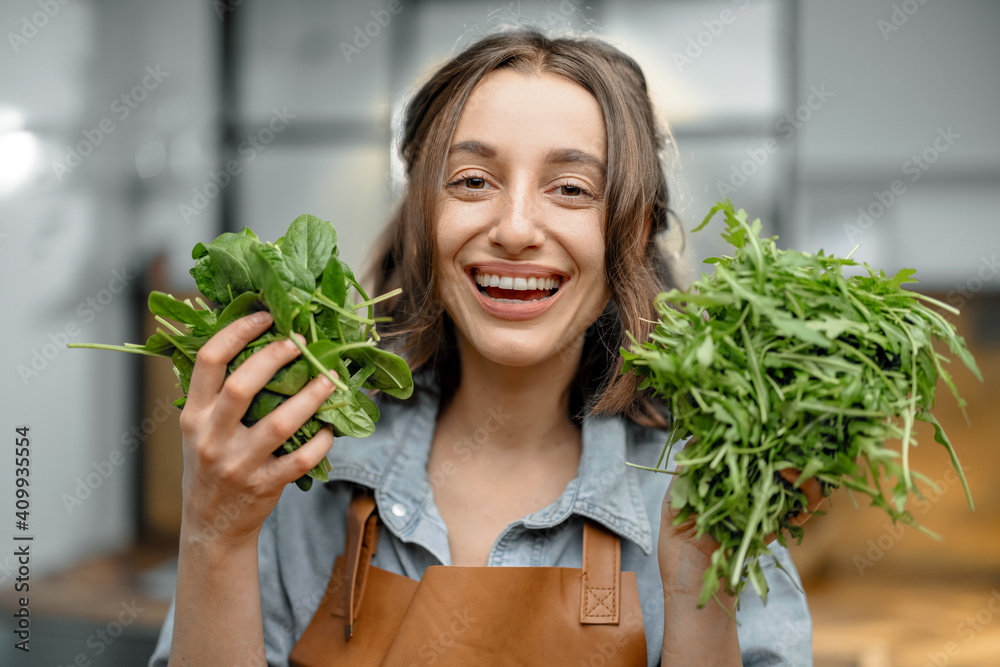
(461, 616)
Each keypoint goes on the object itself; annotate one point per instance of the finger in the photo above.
(244, 383)
(277, 427)
(814, 497)
(288, 468)
(210, 365)
(812, 490)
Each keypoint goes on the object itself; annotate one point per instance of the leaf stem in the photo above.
(317, 365)
(128, 347)
(175, 330)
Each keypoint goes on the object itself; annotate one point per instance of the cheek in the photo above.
(447, 245)
(590, 251)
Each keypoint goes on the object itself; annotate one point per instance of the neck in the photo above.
(523, 408)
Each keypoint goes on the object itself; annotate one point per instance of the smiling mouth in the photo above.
(516, 289)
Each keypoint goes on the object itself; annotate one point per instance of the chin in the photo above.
(519, 351)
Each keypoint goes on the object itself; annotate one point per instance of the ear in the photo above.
(646, 227)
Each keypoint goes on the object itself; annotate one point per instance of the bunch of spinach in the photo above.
(778, 362)
(302, 281)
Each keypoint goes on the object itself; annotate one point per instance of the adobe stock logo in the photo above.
(248, 149)
(37, 21)
(122, 107)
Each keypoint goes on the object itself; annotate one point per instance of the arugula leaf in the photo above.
(777, 361)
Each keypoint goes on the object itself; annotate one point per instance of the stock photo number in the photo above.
(22, 541)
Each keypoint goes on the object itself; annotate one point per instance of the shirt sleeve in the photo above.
(161, 654)
(276, 611)
(779, 632)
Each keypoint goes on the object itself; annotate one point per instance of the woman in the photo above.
(525, 246)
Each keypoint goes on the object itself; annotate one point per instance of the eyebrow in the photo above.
(555, 156)
(574, 156)
(474, 147)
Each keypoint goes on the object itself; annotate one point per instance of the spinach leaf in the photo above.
(301, 280)
(309, 242)
(243, 305)
(166, 305)
(391, 374)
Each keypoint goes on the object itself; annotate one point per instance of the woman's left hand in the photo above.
(674, 539)
(705, 636)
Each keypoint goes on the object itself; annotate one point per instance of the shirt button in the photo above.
(399, 509)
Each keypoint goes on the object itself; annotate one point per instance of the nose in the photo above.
(518, 226)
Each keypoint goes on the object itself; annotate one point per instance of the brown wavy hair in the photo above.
(636, 200)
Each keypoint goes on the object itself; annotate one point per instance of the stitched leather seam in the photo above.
(596, 599)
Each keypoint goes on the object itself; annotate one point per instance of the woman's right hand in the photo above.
(232, 480)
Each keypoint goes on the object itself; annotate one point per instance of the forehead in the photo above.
(532, 113)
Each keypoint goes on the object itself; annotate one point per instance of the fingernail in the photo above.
(325, 381)
(260, 318)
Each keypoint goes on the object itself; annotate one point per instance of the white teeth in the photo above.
(518, 300)
(516, 282)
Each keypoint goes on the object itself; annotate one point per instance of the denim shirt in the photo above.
(306, 531)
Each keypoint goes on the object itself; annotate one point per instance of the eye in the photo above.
(572, 191)
(471, 184)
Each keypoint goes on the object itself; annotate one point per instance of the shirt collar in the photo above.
(393, 462)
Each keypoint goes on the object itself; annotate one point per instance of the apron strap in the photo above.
(600, 589)
(362, 540)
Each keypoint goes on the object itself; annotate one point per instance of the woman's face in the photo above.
(519, 232)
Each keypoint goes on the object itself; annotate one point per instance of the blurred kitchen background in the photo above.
(131, 130)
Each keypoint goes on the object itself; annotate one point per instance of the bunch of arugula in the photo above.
(302, 281)
(778, 362)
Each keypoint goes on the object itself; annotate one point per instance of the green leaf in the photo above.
(229, 255)
(777, 361)
(903, 276)
(159, 344)
(209, 282)
(249, 233)
(391, 375)
(183, 368)
(291, 273)
(310, 242)
(348, 420)
(165, 305)
(244, 276)
(263, 403)
(369, 406)
(334, 283)
(243, 305)
(290, 378)
(272, 288)
(200, 250)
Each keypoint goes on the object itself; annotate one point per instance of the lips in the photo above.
(515, 292)
(514, 289)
